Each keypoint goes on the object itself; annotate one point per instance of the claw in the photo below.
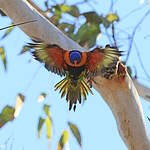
(121, 72)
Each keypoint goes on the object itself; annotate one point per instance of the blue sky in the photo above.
(94, 118)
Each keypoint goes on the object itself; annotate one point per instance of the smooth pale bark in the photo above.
(120, 95)
(123, 99)
(142, 90)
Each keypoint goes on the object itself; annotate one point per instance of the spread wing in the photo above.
(103, 61)
(50, 55)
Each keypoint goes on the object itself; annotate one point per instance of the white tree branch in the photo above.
(121, 96)
(22, 11)
(123, 99)
(142, 90)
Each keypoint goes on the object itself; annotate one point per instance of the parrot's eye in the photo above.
(75, 56)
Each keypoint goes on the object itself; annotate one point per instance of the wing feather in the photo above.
(103, 60)
(50, 55)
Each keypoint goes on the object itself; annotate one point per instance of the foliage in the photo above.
(7, 32)
(6, 115)
(75, 132)
(87, 32)
(47, 121)
(63, 140)
(9, 113)
(65, 134)
(3, 57)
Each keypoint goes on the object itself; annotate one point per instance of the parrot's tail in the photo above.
(74, 90)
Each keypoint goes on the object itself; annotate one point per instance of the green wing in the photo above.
(103, 61)
(50, 55)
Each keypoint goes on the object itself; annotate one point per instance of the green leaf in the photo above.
(66, 28)
(46, 110)
(74, 11)
(48, 122)
(48, 127)
(93, 17)
(46, 4)
(3, 57)
(6, 115)
(55, 19)
(40, 125)
(59, 9)
(106, 23)
(21, 96)
(87, 34)
(63, 140)
(24, 49)
(8, 31)
(75, 132)
(65, 8)
(111, 17)
(44, 94)
(42, 97)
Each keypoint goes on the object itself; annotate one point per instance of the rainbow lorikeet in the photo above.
(76, 66)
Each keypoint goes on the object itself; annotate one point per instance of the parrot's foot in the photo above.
(121, 71)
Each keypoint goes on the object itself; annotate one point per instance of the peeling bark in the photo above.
(120, 95)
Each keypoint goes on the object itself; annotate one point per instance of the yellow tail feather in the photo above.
(73, 92)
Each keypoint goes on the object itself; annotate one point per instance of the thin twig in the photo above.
(140, 60)
(133, 33)
(108, 36)
(111, 5)
(33, 77)
(80, 2)
(131, 12)
(114, 35)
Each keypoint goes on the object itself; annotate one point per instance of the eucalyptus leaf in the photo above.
(48, 127)
(111, 17)
(3, 57)
(6, 115)
(7, 32)
(46, 109)
(74, 11)
(24, 49)
(40, 125)
(87, 34)
(75, 132)
(93, 17)
(63, 140)
(42, 97)
(19, 104)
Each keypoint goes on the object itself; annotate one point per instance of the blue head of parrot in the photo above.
(75, 57)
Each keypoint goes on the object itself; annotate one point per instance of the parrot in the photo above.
(79, 68)
(76, 67)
